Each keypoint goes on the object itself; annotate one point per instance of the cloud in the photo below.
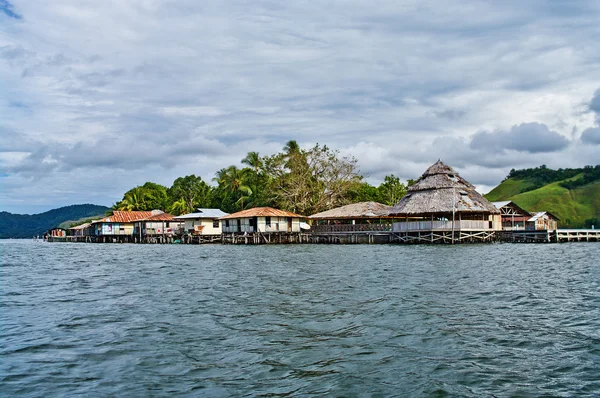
(591, 136)
(595, 105)
(526, 137)
(163, 88)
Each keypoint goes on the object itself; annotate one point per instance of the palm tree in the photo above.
(133, 200)
(235, 181)
(253, 160)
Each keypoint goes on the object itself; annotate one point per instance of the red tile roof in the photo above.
(262, 212)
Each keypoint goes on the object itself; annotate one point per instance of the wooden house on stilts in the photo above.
(443, 207)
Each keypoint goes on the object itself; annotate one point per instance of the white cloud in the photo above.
(164, 88)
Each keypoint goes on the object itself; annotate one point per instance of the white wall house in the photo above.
(263, 219)
(203, 222)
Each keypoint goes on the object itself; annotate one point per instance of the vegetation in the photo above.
(28, 226)
(298, 180)
(573, 195)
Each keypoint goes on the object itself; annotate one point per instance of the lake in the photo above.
(299, 320)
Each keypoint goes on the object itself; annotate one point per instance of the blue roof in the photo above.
(204, 213)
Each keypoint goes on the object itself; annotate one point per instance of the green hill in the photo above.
(27, 226)
(573, 195)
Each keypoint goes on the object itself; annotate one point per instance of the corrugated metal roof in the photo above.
(82, 226)
(500, 205)
(262, 212)
(203, 213)
(540, 214)
(159, 217)
(355, 210)
(126, 216)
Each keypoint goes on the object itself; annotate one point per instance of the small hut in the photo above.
(542, 221)
(363, 216)
(442, 205)
(514, 217)
(202, 222)
(80, 230)
(261, 219)
(158, 224)
(119, 227)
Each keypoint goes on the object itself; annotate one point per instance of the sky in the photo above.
(97, 97)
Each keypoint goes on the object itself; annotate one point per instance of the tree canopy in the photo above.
(304, 181)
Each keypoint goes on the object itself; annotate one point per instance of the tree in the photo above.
(149, 196)
(188, 193)
(309, 181)
(391, 190)
(253, 160)
(233, 182)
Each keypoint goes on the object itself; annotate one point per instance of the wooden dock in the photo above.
(354, 234)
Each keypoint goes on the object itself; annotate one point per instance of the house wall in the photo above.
(206, 223)
(115, 229)
(277, 224)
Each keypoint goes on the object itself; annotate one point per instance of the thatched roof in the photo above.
(438, 190)
(354, 211)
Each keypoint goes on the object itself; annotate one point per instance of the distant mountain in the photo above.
(573, 195)
(27, 226)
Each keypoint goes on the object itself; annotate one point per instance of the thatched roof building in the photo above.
(441, 191)
(355, 211)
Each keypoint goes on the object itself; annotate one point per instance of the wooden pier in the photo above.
(355, 234)
(261, 238)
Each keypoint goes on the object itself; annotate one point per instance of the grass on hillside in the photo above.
(67, 224)
(573, 207)
(508, 188)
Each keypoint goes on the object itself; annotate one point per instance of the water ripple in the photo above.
(278, 321)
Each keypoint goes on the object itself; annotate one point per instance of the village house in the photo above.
(442, 205)
(542, 221)
(120, 226)
(262, 219)
(363, 216)
(81, 230)
(158, 224)
(202, 222)
(513, 216)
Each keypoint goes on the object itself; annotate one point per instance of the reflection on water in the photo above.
(472, 320)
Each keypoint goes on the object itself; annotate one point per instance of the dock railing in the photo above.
(351, 228)
(465, 225)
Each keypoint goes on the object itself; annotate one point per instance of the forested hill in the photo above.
(27, 226)
(573, 195)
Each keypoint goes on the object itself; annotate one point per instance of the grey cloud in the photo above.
(526, 137)
(591, 136)
(595, 105)
(236, 77)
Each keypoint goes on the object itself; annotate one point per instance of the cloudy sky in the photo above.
(99, 96)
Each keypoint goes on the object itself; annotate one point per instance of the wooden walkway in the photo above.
(357, 235)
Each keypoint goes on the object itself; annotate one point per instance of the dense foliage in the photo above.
(28, 226)
(304, 181)
(542, 175)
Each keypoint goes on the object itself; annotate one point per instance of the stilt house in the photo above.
(542, 221)
(203, 222)
(514, 217)
(363, 216)
(262, 219)
(441, 200)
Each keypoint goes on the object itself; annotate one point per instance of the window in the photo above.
(226, 223)
(215, 223)
(268, 221)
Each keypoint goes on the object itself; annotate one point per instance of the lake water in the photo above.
(299, 320)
